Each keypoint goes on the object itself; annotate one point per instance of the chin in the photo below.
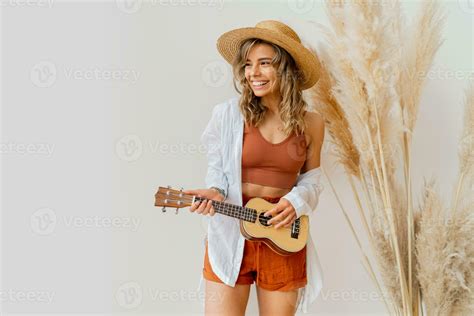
(260, 93)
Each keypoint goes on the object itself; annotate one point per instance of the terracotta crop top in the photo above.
(276, 165)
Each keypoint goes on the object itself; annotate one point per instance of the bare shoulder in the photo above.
(314, 128)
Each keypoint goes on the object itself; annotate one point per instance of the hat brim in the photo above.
(308, 63)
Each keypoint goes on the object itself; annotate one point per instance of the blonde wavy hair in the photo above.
(292, 107)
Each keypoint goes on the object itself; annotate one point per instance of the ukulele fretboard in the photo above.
(240, 212)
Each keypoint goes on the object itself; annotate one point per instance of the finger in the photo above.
(194, 206)
(283, 222)
(202, 207)
(207, 209)
(213, 211)
(287, 220)
(211, 208)
(291, 222)
(272, 212)
(283, 214)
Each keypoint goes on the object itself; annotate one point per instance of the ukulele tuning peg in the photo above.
(163, 209)
(168, 186)
(176, 211)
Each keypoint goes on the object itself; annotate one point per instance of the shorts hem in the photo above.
(290, 286)
(211, 277)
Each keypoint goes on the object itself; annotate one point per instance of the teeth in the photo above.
(259, 83)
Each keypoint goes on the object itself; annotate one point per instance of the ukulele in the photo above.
(253, 223)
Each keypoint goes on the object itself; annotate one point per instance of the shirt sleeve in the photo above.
(304, 196)
(211, 138)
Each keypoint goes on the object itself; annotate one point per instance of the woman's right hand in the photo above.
(204, 207)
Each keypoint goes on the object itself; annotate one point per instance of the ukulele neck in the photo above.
(236, 211)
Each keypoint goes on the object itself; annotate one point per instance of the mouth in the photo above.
(259, 84)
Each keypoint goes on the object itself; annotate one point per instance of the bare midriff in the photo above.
(251, 189)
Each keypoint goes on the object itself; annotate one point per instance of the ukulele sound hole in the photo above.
(264, 219)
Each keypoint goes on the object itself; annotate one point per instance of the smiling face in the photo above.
(259, 71)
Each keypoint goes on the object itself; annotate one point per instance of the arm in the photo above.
(211, 138)
(304, 196)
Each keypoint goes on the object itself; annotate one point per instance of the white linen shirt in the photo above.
(223, 138)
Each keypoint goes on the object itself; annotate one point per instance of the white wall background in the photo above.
(103, 102)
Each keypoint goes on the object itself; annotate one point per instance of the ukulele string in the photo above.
(184, 199)
(189, 200)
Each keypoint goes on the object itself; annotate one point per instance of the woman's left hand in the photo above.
(284, 214)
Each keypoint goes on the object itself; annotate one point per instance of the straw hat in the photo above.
(278, 33)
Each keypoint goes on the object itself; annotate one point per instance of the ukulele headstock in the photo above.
(168, 197)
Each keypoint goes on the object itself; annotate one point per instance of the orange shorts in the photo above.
(268, 269)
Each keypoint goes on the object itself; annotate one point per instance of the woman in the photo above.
(280, 158)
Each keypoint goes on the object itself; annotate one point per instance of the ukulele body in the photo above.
(280, 240)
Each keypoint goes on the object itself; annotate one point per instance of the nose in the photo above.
(255, 70)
